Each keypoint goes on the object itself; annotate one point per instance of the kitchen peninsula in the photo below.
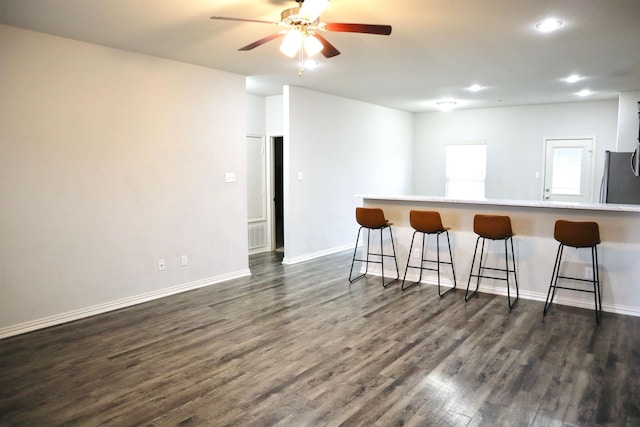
(535, 248)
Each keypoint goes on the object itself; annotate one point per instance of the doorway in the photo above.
(568, 166)
(278, 193)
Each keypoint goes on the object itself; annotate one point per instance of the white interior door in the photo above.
(568, 170)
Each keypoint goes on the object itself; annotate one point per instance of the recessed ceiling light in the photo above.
(549, 25)
(446, 106)
(475, 88)
(584, 92)
(573, 78)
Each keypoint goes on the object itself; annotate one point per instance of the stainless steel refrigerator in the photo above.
(619, 183)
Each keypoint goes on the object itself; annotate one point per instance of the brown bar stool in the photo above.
(428, 222)
(373, 219)
(493, 227)
(576, 235)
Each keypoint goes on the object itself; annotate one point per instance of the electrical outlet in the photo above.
(588, 273)
(183, 260)
(162, 265)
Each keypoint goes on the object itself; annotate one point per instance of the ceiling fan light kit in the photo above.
(291, 43)
(302, 28)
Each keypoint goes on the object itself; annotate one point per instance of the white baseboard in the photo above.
(289, 261)
(446, 283)
(58, 319)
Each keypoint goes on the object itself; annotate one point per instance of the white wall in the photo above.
(111, 160)
(515, 138)
(274, 118)
(628, 121)
(255, 115)
(343, 148)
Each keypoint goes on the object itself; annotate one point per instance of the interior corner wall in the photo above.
(515, 140)
(338, 148)
(110, 161)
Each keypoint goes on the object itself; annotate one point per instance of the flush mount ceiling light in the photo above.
(549, 25)
(446, 106)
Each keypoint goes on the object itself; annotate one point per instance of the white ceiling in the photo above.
(436, 50)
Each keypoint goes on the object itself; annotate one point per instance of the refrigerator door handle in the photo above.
(635, 163)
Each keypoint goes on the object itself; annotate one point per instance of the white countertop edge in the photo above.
(518, 203)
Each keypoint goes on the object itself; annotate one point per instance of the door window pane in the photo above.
(567, 171)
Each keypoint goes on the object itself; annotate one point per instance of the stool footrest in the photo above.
(562, 234)
(428, 223)
(380, 257)
(508, 239)
(489, 277)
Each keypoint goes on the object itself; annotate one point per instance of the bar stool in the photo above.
(373, 219)
(493, 227)
(576, 235)
(427, 223)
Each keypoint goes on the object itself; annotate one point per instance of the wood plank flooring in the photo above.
(298, 346)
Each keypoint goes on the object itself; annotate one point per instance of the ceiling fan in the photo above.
(301, 28)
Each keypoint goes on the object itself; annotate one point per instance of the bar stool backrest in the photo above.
(426, 221)
(577, 234)
(370, 217)
(492, 226)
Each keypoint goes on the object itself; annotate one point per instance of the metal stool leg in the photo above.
(355, 250)
(473, 261)
(554, 280)
(515, 275)
(453, 272)
(596, 283)
(423, 259)
(410, 266)
(395, 260)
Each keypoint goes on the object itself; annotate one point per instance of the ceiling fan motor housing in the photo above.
(292, 17)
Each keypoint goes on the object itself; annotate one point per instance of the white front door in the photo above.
(568, 170)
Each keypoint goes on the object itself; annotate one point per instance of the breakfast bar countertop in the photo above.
(505, 202)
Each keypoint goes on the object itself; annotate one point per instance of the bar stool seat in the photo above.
(428, 223)
(373, 219)
(578, 235)
(493, 227)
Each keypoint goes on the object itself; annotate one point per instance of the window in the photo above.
(567, 168)
(466, 167)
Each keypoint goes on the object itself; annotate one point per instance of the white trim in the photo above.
(58, 319)
(313, 255)
(528, 295)
(593, 181)
(263, 215)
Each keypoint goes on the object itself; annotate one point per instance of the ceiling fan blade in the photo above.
(311, 9)
(226, 18)
(261, 41)
(383, 30)
(328, 50)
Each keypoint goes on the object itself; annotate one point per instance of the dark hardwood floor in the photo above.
(298, 346)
